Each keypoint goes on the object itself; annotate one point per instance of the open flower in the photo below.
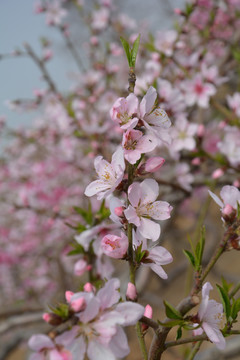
(230, 196)
(124, 111)
(143, 206)
(115, 246)
(135, 143)
(210, 314)
(155, 119)
(110, 175)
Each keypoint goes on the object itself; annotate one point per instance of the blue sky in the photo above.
(18, 24)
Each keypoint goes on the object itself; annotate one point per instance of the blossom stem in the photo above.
(141, 340)
(194, 350)
(129, 232)
(131, 80)
(215, 257)
(186, 340)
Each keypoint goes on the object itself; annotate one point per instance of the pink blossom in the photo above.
(234, 103)
(148, 313)
(230, 145)
(115, 246)
(124, 111)
(210, 313)
(183, 135)
(80, 267)
(135, 143)
(143, 206)
(152, 165)
(100, 19)
(154, 118)
(99, 333)
(198, 92)
(43, 345)
(110, 175)
(229, 194)
(165, 40)
(55, 13)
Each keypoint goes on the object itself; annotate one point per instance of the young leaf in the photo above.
(126, 47)
(200, 248)
(179, 333)
(134, 51)
(235, 308)
(225, 285)
(190, 257)
(225, 301)
(171, 312)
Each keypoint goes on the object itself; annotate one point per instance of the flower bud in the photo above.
(229, 213)
(119, 211)
(131, 293)
(78, 305)
(217, 173)
(151, 165)
(80, 267)
(52, 319)
(148, 313)
(88, 287)
(201, 130)
(68, 295)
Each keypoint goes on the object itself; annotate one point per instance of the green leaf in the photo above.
(225, 285)
(179, 333)
(171, 323)
(238, 210)
(225, 301)
(86, 214)
(235, 308)
(199, 248)
(171, 312)
(190, 257)
(126, 47)
(61, 310)
(134, 50)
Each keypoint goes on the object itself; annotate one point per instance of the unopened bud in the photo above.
(151, 165)
(52, 319)
(131, 293)
(78, 305)
(201, 130)
(119, 211)
(88, 287)
(196, 161)
(228, 213)
(217, 173)
(148, 313)
(68, 295)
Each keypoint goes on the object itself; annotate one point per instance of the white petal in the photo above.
(160, 255)
(148, 101)
(119, 344)
(96, 187)
(134, 194)
(216, 199)
(131, 216)
(159, 271)
(40, 341)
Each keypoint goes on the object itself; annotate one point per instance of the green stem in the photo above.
(141, 340)
(194, 351)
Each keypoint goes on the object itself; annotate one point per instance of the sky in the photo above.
(19, 24)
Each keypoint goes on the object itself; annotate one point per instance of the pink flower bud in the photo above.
(227, 210)
(52, 319)
(115, 246)
(94, 40)
(80, 267)
(131, 293)
(88, 287)
(217, 173)
(148, 313)
(119, 211)
(78, 305)
(201, 130)
(151, 165)
(177, 11)
(236, 183)
(68, 295)
(196, 161)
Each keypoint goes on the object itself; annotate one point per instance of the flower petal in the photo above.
(131, 312)
(149, 229)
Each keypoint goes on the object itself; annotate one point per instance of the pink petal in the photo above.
(149, 229)
(109, 294)
(119, 344)
(159, 210)
(131, 216)
(149, 191)
(40, 341)
(160, 255)
(148, 101)
(216, 199)
(214, 335)
(131, 312)
(97, 351)
(134, 194)
(159, 271)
